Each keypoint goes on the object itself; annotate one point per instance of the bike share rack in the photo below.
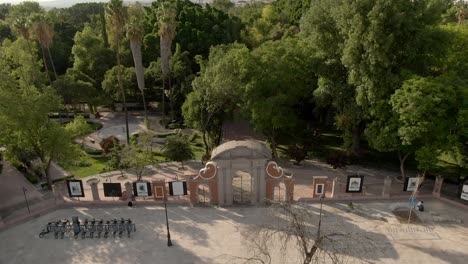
(89, 229)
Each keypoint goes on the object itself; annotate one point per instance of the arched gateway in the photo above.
(241, 172)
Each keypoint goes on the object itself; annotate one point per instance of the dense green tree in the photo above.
(177, 148)
(75, 91)
(24, 114)
(111, 85)
(428, 109)
(182, 77)
(90, 56)
(216, 92)
(368, 49)
(285, 87)
(78, 128)
(5, 31)
(21, 64)
(44, 33)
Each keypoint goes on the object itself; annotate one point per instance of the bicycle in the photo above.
(92, 228)
(76, 226)
(129, 226)
(106, 229)
(100, 228)
(47, 230)
(121, 227)
(85, 228)
(115, 227)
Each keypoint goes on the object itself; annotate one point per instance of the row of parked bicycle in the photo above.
(88, 229)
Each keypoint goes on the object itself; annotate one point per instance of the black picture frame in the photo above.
(139, 194)
(112, 189)
(172, 188)
(351, 182)
(73, 185)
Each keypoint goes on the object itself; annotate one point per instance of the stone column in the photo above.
(262, 188)
(335, 188)
(437, 186)
(289, 183)
(128, 191)
(387, 187)
(192, 188)
(95, 191)
(221, 181)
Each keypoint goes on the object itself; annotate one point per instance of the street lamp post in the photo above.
(26, 199)
(320, 217)
(169, 242)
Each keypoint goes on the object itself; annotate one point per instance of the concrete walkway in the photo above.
(223, 235)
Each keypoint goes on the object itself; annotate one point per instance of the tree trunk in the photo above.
(402, 164)
(207, 151)
(171, 103)
(273, 146)
(165, 57)
(52, 63)
(135, 45)
(45, 64)
(356, 147)
(46, 172)
(119, 77)
(164, 99)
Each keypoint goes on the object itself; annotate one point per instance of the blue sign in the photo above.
(412, 201)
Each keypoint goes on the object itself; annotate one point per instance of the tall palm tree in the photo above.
(167, 14)
(135, 34)
(44, 34)
(117, 15)
(21, 27)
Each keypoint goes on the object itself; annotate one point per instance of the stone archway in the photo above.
(241, 172)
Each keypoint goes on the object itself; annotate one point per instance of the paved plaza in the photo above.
(222, 235)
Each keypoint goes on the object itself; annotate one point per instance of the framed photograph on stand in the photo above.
(464, 193)
(75, 188)
(410, 184)
(142, 189)
(354, 183)
(177, 188)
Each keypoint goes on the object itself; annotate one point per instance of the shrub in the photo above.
(82, 163)
(32, 178)
(193, 137)
(94, 125)
(297, 153)
(164, 122)
(92, 151)
(108, 143)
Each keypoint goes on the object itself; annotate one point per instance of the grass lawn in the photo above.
(98, 165)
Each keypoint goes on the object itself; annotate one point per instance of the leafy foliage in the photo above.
(177, 148)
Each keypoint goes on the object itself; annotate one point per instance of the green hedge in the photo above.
(32, 178)
(92, 151)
